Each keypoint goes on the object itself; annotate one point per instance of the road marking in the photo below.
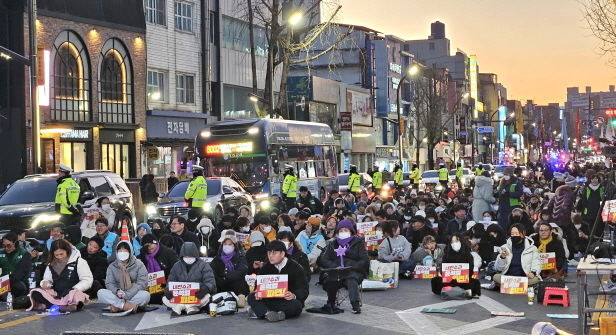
(162, 317)
(3, 313)
(20, 321)
(421, 323)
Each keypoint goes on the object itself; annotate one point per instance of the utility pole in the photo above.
(36, 123)
(253, 57)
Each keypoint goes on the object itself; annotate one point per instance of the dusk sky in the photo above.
(537, 48)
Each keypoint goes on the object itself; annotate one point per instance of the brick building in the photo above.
(92, 100)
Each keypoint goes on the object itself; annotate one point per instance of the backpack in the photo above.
(226, 303)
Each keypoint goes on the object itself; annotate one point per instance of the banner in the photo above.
(372, 236)
(459, 272)
(5, 285)
(242, 238)
(272, 286)
(184, 293)
(513, 285)
(156, 281)
(548, 260)
(425, 272)
(366, 227)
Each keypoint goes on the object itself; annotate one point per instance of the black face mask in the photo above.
(516, 239)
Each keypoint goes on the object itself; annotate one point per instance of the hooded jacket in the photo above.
(137, 241)
(75, 262)
(525, 220)
(483, 196)
(199, 272)
(239, 260)
(210, 240)
(437, 255)
(530, 258)
(97, 263)
(312, 245)
(561, 206)
(415, 237)
(136, 270)
(391, 247)
(356, 257)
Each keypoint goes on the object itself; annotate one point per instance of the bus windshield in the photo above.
(249, 173)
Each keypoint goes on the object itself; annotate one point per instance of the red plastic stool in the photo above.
(556, 295)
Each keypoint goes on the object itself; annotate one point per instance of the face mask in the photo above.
(487, 218)
(343, 235)
(106, 207)
(267, 229)
(506, 177)
(189, 260)
(205, 230)
(456, 246)
(227, 249)
(123, 255)
(577, 226)
(495, 207)
(284, 228)
(422, 207)
(245, 229)
(431, 220)
(287, 245)
(407, 217)
(516, 239)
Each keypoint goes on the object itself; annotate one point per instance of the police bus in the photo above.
(254, 152)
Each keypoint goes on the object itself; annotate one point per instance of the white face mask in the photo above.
(577, 226)
(495, 207)
(227, 249)
(344, 234)
(431, 220)
(284, 228)
(267, 229)
(123, 255)
(106, 207)
(506, 177)
(456, 246)
(487, 218)
(422, 207)
(245, 229)
(189, 260)
(407, 217)
(205, 230)
(287, 245)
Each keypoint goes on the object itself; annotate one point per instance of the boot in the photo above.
(130, 307)
(114, 309)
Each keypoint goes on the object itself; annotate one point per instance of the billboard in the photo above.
(360, 106)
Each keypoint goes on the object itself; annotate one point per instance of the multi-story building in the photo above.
(584, 109)
(92, 86)
(490, 92)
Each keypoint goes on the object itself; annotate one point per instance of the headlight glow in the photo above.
(207, 207)
(150, 210)
(44, 218)
(438, 187)
(265, 204)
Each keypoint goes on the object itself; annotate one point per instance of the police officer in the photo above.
(479, 170)
(67, 197)
(196, 194)
(289, 186)
(415, 177)
(459, 175)
(354, 184)
(377, 180)
(443, 175)
(398, 177)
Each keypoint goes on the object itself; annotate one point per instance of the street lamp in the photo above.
(295, 18)
(410, 72)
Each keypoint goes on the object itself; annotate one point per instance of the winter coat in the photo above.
(311, 245)
(17, 264)
(589, 203)
(525, 220)
(459, 257)
(453, 227)
(188, 236)
(136, 241)
(390, 248)
(437, 255)
(415, 237)
(165, 257)
(483, 196)
(136, 270)
(561, 206)
(300, 257)
(84, 280)
(530, 258)
(258, 253)
(97, 263)
(199, 272)
(297, 279)
(222, 274)
(555, 246)
(315, 205)
(356, 257)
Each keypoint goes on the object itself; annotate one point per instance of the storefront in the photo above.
(76, 149)
(386, 157)
(171, 141)
(117, 148)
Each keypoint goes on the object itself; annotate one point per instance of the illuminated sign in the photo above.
(474, 69)
(396, 68)
(610, 112)
(228, 148)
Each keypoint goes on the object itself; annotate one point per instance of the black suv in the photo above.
(28, 203)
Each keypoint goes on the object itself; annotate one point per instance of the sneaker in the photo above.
(356, 309)
(272, 316)
(250, 313)
(408, 274)
(177, 309)
(489, 286)
(192, 310)
(573, 262)
(241, 301)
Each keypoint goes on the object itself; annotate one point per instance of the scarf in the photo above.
(543, 244)
(59, 266)
(125, 282)
(594, 187)
(151, 262)
(344, 242)
(290, 250)
(226, 259)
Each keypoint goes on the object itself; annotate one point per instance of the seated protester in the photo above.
(66, 278)
(311, 240)
(264, 225)
(102, 208)
(390, 211)
(518, 215)
(547, 241)
(418, 230)
(294, 252)
(178, 229)
(579, 236)
(284, 220)
(518, 257)
(277, 203)
(242, 225)
(172, 242)
(126, 282)
(226, 222)
(97, 261)
(142, 229)
(300, 222)
(351, 204)
(191, 269)
(55, 233)
(232, 211)
(256, 256)
(278, 309)
(544, 216)
(338, 209)
(230, 267)
(481, 243)
(395, 248)
(110, 240)
(156, 257)
(355, 256)
(361, 208)
(406, 221)
(158, 228)
(73, 235)
(457, 224)
(305, 199)
(429, 253)
(246, 213)
(208, 237)
(16, 262)
(329, 231)
(458, 252)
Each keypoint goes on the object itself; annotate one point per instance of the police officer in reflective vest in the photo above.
(459, 175)
(377, 180)
(289, 186)
(354, 184)
(398, 177)
(196, 193)
(67, 197)
(443, 175)
(415, 177)
(479, 170)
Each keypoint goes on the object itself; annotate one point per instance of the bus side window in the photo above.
(320, 168)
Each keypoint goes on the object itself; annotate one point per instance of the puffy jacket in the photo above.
(136, 270)
(17, 264)
(199, 272)
(556, 246)
(84, 275)
(377, 179)
(97, 263)
(530, 258)
(483, 196)
(289, 186)
(165, 257)
(437, 254)
(196, 193)
(311, 245)
(561, 206)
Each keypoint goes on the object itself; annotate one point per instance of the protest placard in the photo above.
(425, 272)
(366, 227)
(183, 293)
(272, 286)
(548, 260)
(5, 285)
(241, 237)
(459, 272)
(513, 285)
(156, 281)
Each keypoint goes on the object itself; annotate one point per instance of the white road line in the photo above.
(162, 317)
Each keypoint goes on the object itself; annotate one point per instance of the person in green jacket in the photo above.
(289, 186)
(17, 263)
(459, 175)
(415, 177)
(354, 184)
(398, 177)
(443, 175)
(67, 197)
(377, 180)
(196, 193)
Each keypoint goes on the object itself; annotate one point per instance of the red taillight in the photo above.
(184, 204)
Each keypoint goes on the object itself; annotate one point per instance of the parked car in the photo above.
(28, 203)
(343, 181)
(429, 177)
(466, 178)
(222, 193)
(406, 181)
(498, 172)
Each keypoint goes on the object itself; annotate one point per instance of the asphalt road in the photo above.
(393, 312)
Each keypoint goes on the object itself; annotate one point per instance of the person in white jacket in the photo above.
(66, 278)
(518, 257)
(102, 208)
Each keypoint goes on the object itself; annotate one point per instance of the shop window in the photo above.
(48, 159)
(100, 186)
(73, 155)
(115, 84)
(115, 157)
(70, 79)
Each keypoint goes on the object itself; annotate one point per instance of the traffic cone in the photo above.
(124, 232)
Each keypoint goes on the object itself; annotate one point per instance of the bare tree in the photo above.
(600, 15)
